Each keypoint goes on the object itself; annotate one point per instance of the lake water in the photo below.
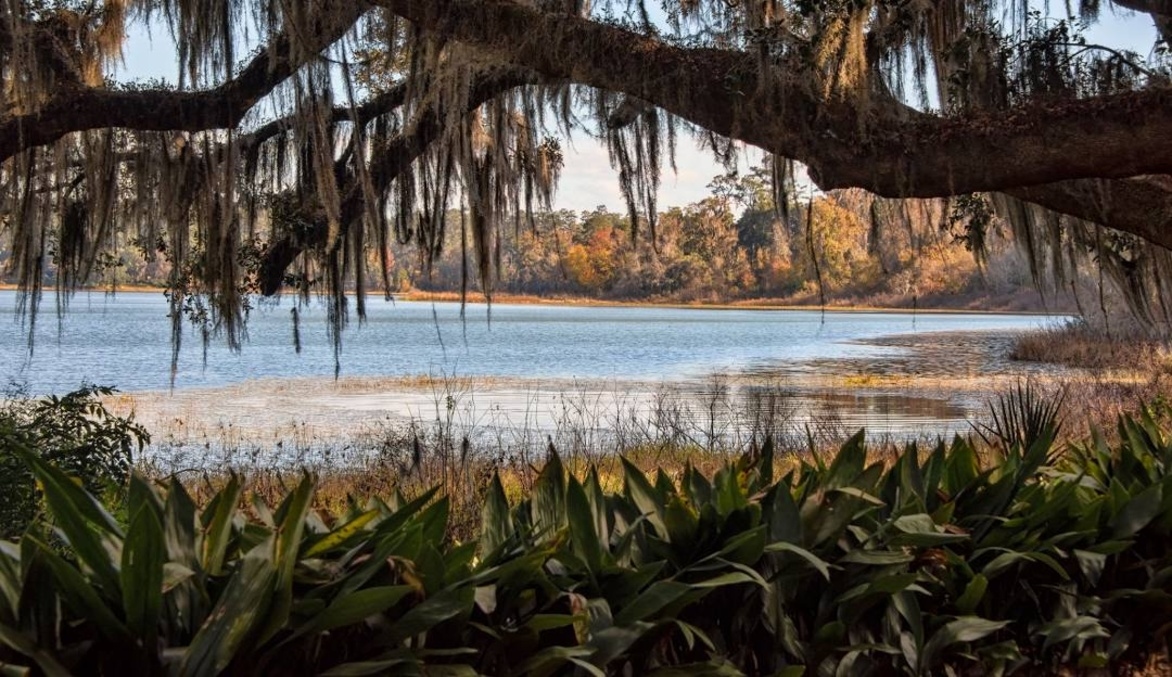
(124, 341)
(588, 378)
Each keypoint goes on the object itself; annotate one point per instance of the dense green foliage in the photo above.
(1026, 559)
(74, 432)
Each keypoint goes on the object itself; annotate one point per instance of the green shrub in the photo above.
(944, 562)
(76, 433)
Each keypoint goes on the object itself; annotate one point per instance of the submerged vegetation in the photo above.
(1021, 556)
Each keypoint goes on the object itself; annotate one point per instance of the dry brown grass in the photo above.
(1113, 372)
(1078, 344)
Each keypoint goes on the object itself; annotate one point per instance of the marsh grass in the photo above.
(1078, 343)
(460, 449)
(460, 437)
(458, 446)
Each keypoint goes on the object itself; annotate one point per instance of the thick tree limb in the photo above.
(387, 164)
(1141, 206)
(381, 103)
(81, 108)
(879, 145)
(884, 147)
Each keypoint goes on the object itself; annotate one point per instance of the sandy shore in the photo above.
(747, 304)
(475, 298)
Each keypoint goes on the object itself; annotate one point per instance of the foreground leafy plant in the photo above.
(74, 432)
(1019, 558)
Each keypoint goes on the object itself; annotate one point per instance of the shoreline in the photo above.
(763, 304)
(936, 385)
(746, 304)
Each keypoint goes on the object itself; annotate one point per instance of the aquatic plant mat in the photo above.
(1022, 556)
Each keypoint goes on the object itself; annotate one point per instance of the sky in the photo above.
(588, 180)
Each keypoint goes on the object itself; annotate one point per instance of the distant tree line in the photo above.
(735, 244)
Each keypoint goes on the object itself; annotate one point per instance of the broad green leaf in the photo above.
(242, 607)
(785, 523)
(921, 531)
(648, 501)
(692, 633)
(1091, 564)
(651, 601)
(143, 556)
(405, 512)
(355, 607)
(543, 622)
(584, 538)
(681, 525)
(179, 526)
(290, 518)
(907, 605)
(496, 524)
(963, 629)
(848, 463)
(551, 660)
(1138, 512)
(731, 578)
(598, 508)
(960, 468)
(614, 641)
(1066, 629)
(219, 528)
(817, 562)
(10, 582)
(695, 486)
(27, 647)
(549, 492)
(80, 596)
(859, 494)
(174, 574)
(974, 592)
(430, 613)
(341, 536)
(93, 534)
(876, 557)
(1007, 559)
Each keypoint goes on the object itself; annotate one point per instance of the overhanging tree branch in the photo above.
(880, 145)
(76, 109)
(886, 147)
(387, 164)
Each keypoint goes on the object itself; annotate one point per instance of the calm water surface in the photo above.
(124, 341)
